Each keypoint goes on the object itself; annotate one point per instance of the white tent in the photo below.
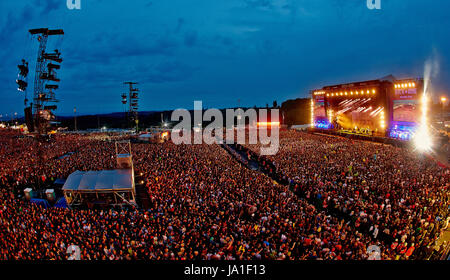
(118, 182)
(104, 180)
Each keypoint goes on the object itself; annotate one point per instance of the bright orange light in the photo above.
(268, 123)
(443, 99)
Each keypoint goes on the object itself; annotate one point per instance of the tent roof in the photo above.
(146, 135)
(104, 180)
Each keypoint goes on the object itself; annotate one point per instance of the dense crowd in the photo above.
(395, 195)
(204, 205)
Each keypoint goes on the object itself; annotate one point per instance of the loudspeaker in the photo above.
(29, 119)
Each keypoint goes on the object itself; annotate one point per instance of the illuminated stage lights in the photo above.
(323, 124)
(312, 113)
(352, 93)
(382, 121)
(405, 85)
(422, 138)
(258, 124)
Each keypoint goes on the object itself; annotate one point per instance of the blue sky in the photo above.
(216, 51)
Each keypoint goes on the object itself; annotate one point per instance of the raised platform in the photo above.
(114, 187)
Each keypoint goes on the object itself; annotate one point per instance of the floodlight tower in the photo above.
(133, 104)
(44, 95)
(22, 79)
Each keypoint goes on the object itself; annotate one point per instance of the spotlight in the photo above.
(422, 138)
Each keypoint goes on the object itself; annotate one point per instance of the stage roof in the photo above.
(99, 181)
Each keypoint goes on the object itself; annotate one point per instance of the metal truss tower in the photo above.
(132, 104)
(44, 92)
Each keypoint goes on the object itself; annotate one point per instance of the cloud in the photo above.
(251, 49)
(180, 23)
(47, 6)
(190, 38)
(106, 48)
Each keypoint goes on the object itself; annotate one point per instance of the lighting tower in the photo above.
(22, 78)
(44, 95)
(132, 103)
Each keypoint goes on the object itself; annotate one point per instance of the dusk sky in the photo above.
(219, 51)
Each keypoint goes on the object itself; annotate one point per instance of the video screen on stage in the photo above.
(405, 110)
(319, 109)
(405, 105)
(358, 112)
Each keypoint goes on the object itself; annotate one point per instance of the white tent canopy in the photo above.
(104, 180)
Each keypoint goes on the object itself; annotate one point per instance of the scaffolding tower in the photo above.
(132, 104)
(45, 80)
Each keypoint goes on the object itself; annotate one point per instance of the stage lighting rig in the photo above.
(133, 104)
(46, 65)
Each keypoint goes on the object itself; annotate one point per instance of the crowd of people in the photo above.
(204, 205)
(397, 196)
